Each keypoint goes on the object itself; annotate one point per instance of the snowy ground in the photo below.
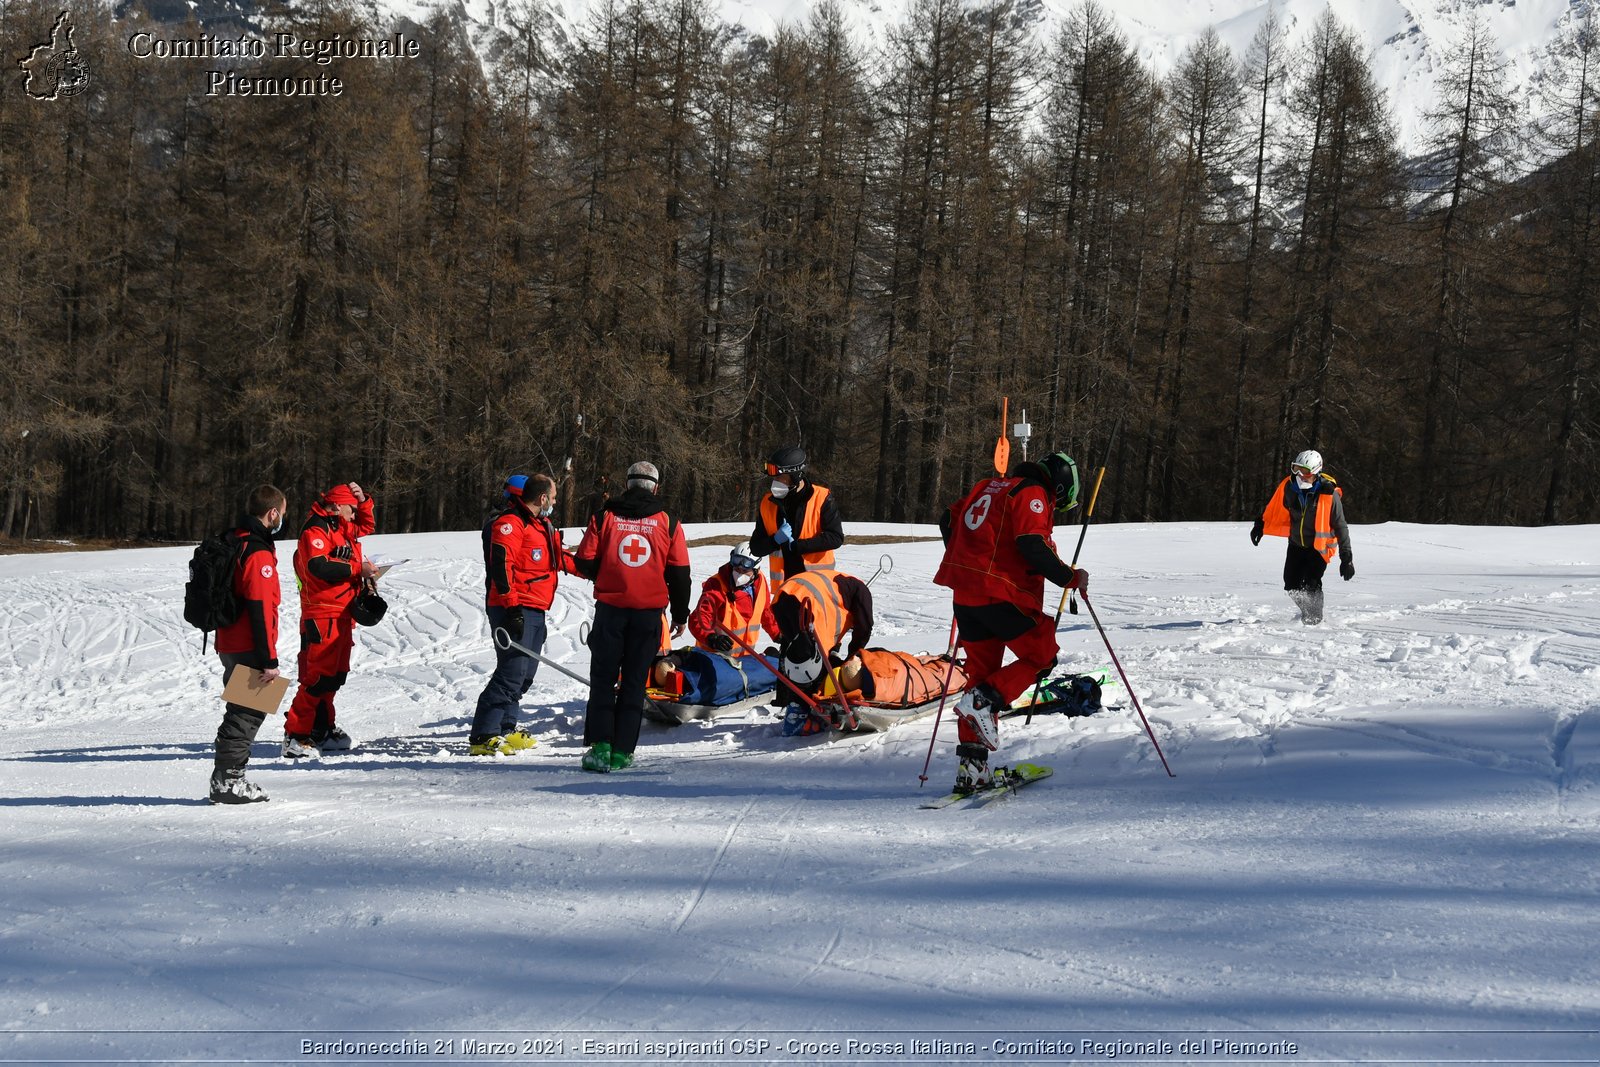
(1380, 844)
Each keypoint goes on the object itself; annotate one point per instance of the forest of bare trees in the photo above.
(668, 242)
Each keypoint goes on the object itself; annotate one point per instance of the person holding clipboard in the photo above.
(248, 646)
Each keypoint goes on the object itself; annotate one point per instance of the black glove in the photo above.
(771, 652)
(342, 552)
(1347, 570)
(514, 624)
(720, 643)
(1255, 533)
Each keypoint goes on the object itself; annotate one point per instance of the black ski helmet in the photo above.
(1063, 473)
(368, 609)
(790, 459)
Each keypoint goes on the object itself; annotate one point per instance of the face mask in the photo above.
(743, 578)
(779, 490)
(547, 511)
(1302, 483)
(278, 527)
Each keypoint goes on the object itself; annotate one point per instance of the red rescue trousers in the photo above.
(325, 646)
(987, 631)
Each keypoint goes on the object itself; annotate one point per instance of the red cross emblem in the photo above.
(634, 551)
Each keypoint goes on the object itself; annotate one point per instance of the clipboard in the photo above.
(244, 690)
(384, 565)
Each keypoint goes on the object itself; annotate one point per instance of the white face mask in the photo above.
(743, 578)
(779, 489)
(1302, 483)
(547, 511)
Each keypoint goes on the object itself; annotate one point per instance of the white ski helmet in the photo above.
(802, 661)
(742, 558)
(1310, 460)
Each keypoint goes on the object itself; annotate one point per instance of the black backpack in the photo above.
(208, 600)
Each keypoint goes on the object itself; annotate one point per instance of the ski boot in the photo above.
(336, 741)
(980, 709)
(232, 787)
(621, 761)
(299, 746)
(516, 741)
(598, 758)
(972, 773)
(488, 746)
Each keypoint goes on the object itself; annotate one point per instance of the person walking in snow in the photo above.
(332, 574)
(636, 555)
(523, 561)
(250, 642)
(998, 553)
(1308, 509)
(798, 525)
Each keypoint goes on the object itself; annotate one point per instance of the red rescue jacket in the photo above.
(522, 558)
(742, 612)
(637, 556)
(328, 581)
(981, 562)
(259, 590)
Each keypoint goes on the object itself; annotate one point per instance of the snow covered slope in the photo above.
(1408, 39)
(1388, 822)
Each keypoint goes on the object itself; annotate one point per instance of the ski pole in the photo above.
(943, 696)
(1131, 694)
(502, 640)
(885, 566)
(1083, 532)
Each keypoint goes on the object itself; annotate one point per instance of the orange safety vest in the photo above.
(810, 526)
(1275, 520)
(829, 620)
(902, 680)
(745, 630)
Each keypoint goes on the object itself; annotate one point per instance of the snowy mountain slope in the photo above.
(1408, 39)
(1384, 823)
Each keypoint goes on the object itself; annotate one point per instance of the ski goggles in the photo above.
(745, 563)
(1304, 472)
(795, 468)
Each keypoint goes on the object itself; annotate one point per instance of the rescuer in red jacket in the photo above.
(738, 599)
(523, 561)
(998, 553)
(331, 571)
(636, 554)
(250, 642)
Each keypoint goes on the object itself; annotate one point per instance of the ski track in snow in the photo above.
(1387, 820)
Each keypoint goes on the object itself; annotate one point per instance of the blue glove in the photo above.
(785, 533)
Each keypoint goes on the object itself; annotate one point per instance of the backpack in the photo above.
(208, 600)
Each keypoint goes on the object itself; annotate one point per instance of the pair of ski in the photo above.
(1007, 780)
